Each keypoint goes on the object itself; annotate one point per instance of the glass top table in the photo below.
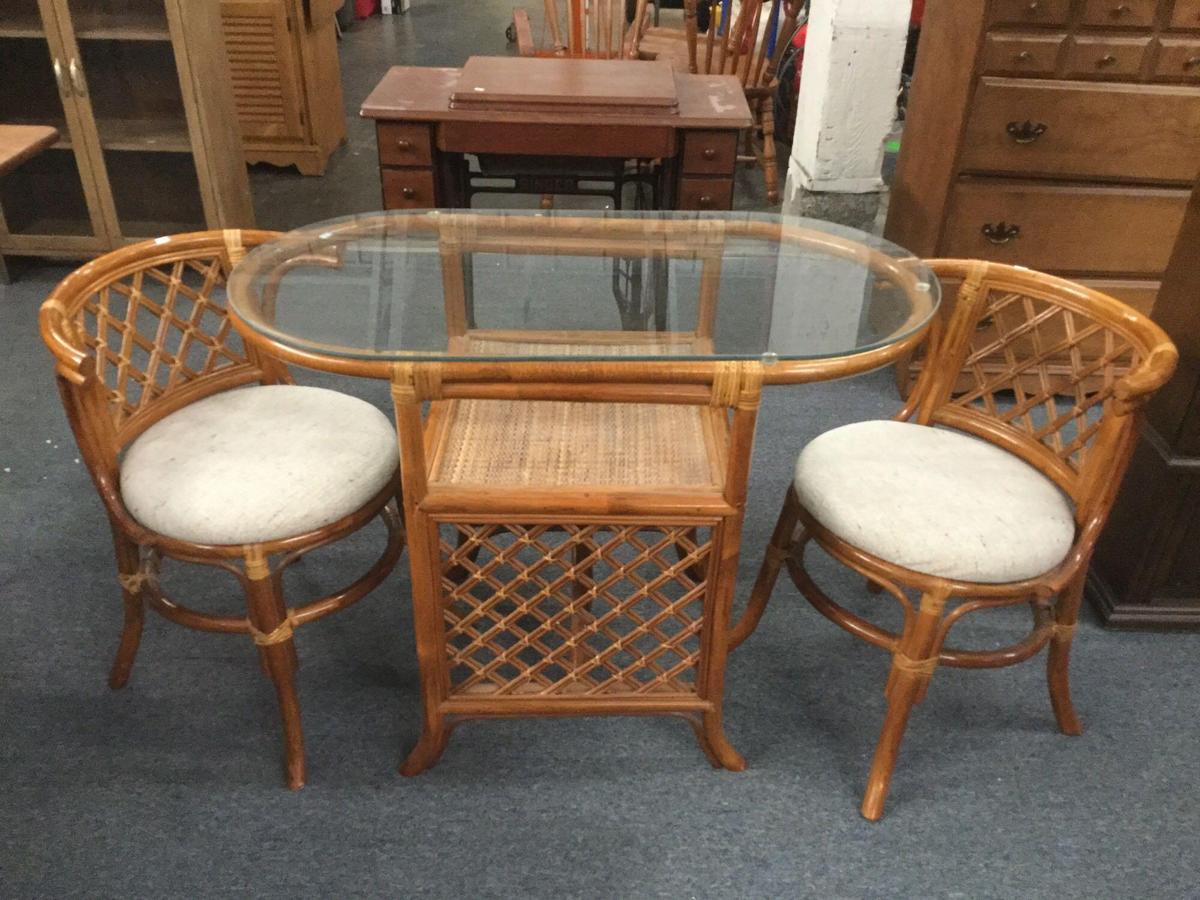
(808, 299)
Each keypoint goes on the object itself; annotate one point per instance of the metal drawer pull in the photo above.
(408, 193)
(1023, 56)
(1001, 232)
(1026, 132)
(1192, 62)
(1106, 60)
(404, 144)
(706, 201)
(709, 153)
(1034, 6)
(1121, 10)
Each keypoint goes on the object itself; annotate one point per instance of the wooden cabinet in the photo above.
(287, 82)
(1146, 572)
(1068, 142)
(143, 105)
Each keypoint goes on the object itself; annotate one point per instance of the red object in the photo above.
(364, 8)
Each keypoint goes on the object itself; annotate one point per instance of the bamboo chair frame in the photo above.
(750, 47)
(118, 373)
(1084, 447)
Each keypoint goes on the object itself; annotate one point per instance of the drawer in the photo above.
(404, 144)
(1186, 14)
(1060, 228)
(1119, 13)
(709, 152)
(1123, 131)
(705, 193)
(1178, 60)
(1099, 57)
(1021, 54)
(408, 189)
(1029, 12)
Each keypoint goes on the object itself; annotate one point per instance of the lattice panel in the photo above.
(157, 329)
(574, 610)
(1044, 370)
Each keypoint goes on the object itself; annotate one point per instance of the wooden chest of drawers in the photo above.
(1063, 135)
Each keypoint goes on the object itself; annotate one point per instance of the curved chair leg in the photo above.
(427, 752)
(711, 736)
(782, 541)
(271, 627)
(128, 563)
(913, 664)
(1058, 662)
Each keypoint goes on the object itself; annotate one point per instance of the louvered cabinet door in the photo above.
(267, 88)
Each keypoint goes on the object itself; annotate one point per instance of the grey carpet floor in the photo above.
(172, 787)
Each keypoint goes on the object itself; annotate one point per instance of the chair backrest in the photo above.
(594, 29)
(143, 331)
(748, 42)
(1046, 368)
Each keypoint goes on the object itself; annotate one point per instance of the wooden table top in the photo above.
(422, 94)
(20, 142)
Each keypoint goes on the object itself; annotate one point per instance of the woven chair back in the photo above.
(144, 330)
(1075, 364)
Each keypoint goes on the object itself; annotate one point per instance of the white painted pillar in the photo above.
(847, 102)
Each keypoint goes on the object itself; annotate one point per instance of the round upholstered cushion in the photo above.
(935, 501)
(258, 464)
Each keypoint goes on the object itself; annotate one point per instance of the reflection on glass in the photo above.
(582, 284)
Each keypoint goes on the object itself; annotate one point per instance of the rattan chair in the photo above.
(190, 469)
(983, 492)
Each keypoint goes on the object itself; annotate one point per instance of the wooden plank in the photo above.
(21, 142)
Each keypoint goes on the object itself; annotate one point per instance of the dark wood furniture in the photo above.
(287, 81)
(139, 92)
(1080, 439)
(1062, 135)
(1147, 568)
(143, 333)
(424, 139)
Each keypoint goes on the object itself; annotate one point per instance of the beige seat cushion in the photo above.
(935, 501)
(258, 464)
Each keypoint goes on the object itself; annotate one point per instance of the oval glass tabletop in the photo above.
(539, 285)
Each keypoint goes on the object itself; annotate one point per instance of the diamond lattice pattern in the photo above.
(574, 609)
(1044, 370)
(157, 329)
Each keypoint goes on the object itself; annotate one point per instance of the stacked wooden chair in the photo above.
(592, 29)
(747, 42)
(203, 451)
(984, 493)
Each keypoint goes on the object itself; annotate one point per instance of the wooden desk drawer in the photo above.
(404, 144)
(709, 152)
(1021, 54)
(1099, 57)
(548, 139)
(1186, 14)
(1059, 228)
(1119, 13)
(1054, 128)
(1029, 12)
(408, 189)
(1178, 60)
(705, 193)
